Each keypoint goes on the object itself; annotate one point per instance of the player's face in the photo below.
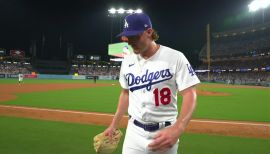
(140, 43)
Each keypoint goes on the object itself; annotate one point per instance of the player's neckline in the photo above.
(156, 53)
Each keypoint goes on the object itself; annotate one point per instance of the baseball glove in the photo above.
(104, 145)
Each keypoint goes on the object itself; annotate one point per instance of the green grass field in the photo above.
(247, 104)
(29, 136)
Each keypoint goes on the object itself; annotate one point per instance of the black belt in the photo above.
(150, 127)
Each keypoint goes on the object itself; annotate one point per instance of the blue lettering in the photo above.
(148, 78)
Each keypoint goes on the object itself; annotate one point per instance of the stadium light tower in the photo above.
(113, 11)
(256, 5)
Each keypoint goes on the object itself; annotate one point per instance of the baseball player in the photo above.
(151, 78)
(20, 76)
(95, 79)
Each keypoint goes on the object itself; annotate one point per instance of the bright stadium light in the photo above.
(258, 4)
(254, 6)
(265, 3)
(112, 11)
(130, 11)
(121, 11)
(139, 11)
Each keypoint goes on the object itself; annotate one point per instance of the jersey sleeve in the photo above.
(185, 75)
(122, 78)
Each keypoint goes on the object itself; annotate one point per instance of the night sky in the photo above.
(85, 23)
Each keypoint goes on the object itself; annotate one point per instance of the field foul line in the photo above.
(111, 115)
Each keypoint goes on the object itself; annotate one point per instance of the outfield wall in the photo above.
(54, 76)
(107, 77)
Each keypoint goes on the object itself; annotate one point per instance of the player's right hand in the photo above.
(109, 132)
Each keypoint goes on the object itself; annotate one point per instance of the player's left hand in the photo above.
(165, 139)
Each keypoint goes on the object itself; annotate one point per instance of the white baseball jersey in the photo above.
(154, 83)
(20, 77)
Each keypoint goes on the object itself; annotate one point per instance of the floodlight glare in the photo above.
(121, 11)
(265, 3)
(139, 11)
(130, 11)
(112, 11)
(258, 4)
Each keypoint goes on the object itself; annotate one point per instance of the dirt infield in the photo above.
(204, 126)
(8, 91)
(211, 93)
